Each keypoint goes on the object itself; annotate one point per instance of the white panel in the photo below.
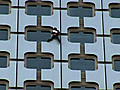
(53, 20)
(9, 74)
(97, 76)
(95, 48)
(52, 75)
(96, 2)
(68, 48)
(110, 23)
(64, 2)
(26, 20)
(52, 47)
(55, 2)
(68, 21)
(25, 46)
(9, 46)
(10, 19)
(112, 76)
(69, 75)
(25, 74)
(111, 49)
(107, 2)
(22, 2)
(94, 22)
(14, 2)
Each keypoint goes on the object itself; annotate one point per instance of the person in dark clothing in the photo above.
(55, 34)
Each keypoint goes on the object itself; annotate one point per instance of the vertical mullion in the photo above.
(60, 45)
(104, 46)
(17, 44)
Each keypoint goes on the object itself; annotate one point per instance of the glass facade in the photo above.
(59, 44)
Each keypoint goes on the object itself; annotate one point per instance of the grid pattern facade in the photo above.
(88, 57)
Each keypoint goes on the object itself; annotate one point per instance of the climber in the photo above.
(55, 34)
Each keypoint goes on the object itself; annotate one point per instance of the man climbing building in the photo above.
(55, 34)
